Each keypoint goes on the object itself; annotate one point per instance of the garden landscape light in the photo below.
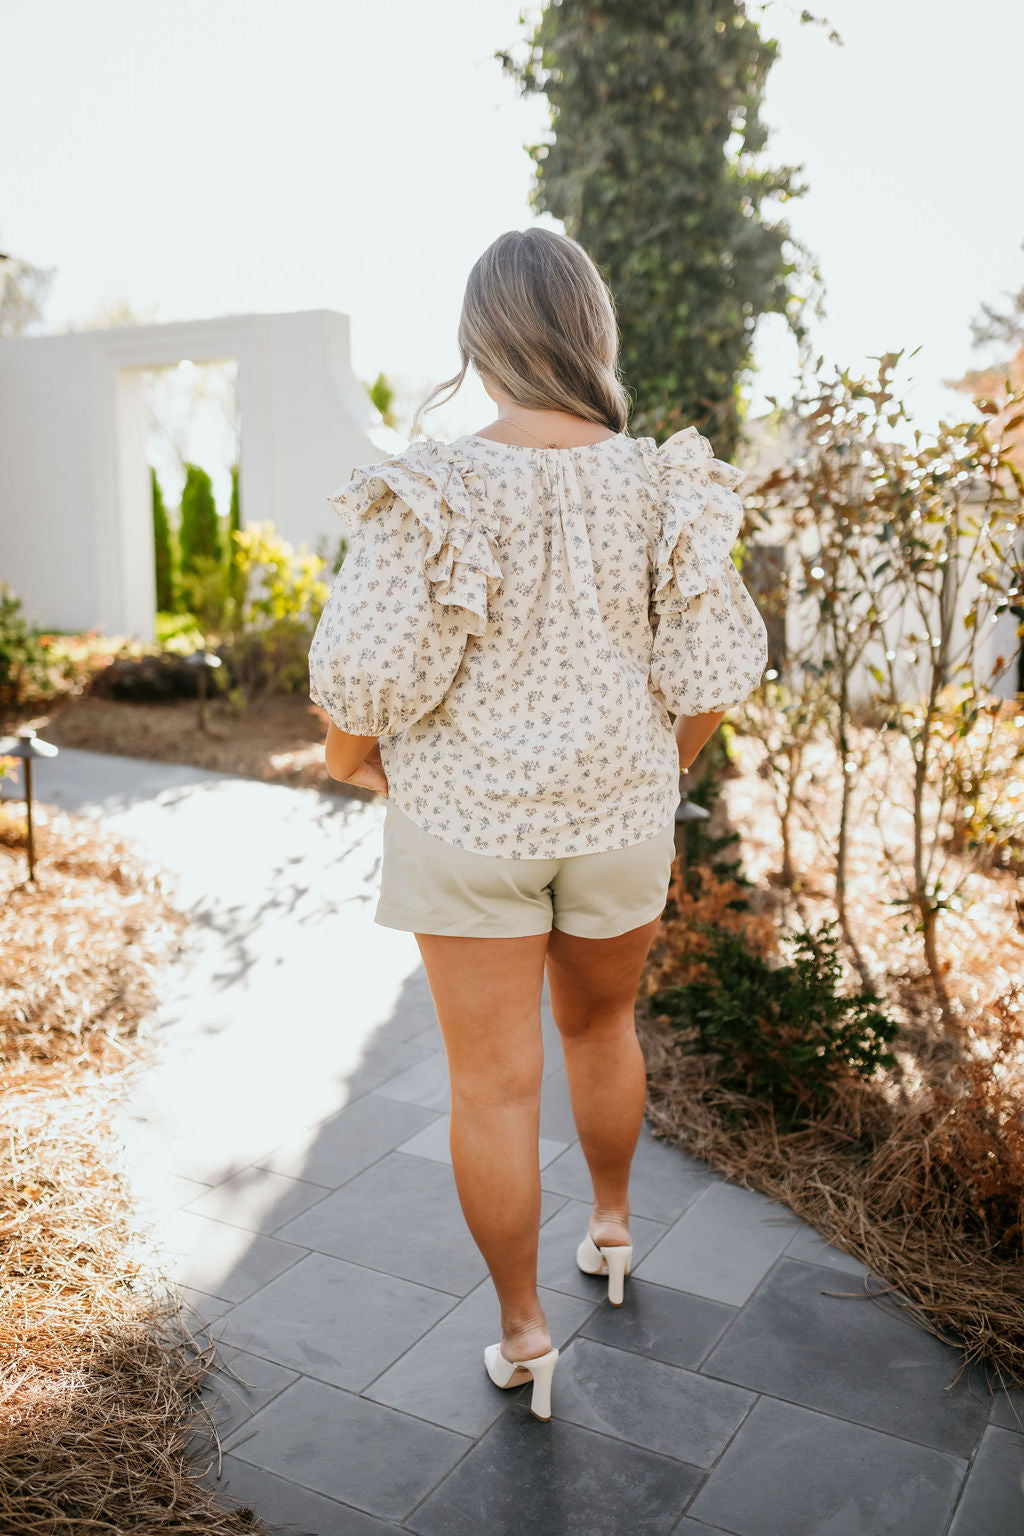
(204, 660)
(28, 745)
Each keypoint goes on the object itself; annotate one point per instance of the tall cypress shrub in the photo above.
(199, 534)
(236, 576)
(655, 168)
(162, 549)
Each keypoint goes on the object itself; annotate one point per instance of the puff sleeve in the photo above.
(710, 641)
(411, 589)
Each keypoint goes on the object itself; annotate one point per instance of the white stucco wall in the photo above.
(76, 539)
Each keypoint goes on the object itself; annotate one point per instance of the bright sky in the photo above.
(226, 156)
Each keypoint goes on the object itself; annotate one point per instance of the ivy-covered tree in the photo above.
(162, 549)
(655, 168)
(199, 532)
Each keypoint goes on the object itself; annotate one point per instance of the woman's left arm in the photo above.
(345, 757)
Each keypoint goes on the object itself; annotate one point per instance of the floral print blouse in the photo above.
(518, 625)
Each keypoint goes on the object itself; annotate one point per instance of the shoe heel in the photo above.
(542, 1371)
(617, 1260)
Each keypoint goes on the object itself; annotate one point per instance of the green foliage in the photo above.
(148, 679)
(655, 168)
(23, 658)
(236, 581)
(383, 397)
(282, 596)
(179, 632)
(199, 533)
(783, 1033)
(162, 549)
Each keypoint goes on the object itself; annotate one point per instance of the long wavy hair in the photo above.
(538, 320)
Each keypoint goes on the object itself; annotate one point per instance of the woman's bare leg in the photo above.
(593, 985)
(487, 996)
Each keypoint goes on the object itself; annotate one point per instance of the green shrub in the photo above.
(24, 672)
(162, 548)
(206, 593)
(179, 632)
(783, 1033)
(280, 596)
(199, 532)
(150, 679)
(236, 580)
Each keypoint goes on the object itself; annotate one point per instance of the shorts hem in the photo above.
(600, 930)
(453, 930)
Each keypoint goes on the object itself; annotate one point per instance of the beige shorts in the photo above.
(431, 886)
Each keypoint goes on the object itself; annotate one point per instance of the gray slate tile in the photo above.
(443, 1378)
(661, 1407)
(560, 1237)
(223, 1261)
(335, 1150)
(662, 1184)
(664, 1324)
(426, 1084)
(556, 1116)
(809, 1244)
(257, 1199)
(237, 1387)
(850, 1357)
(335, 1321)
(688, 1527)
(527, 1478)
(290, 1509)
(791, 1472)
(401, 1216)
(992, 1503)
(349, 1449)
(200, 1307)
(722, 1246)
(383, 1057)
(1008, 1409)
(433, 1142)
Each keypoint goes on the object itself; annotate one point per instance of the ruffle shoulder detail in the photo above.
(700, 517)
(448, 497)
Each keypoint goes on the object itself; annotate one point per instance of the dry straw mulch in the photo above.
(101, 1370)
(918, 1173)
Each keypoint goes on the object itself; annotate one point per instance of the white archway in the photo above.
(76, 540)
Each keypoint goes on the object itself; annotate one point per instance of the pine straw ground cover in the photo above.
(101, 1374)
(917, 1172)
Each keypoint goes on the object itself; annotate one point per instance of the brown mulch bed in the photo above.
(918, 1173)
(101, 1371)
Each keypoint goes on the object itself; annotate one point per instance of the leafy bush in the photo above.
(206, 592)
(23, 659)
(783, 1032)
(148, 679)
(179, 632)
(279, 599)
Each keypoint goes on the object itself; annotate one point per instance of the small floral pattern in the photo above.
(516, 625)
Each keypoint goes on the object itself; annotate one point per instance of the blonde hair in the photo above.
(539, 321)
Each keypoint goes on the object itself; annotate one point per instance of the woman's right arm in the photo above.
(692, 732)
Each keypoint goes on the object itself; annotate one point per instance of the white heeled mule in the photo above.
(596, 1259)
(513, 1373)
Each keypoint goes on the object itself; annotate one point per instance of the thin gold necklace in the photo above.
(519, 424)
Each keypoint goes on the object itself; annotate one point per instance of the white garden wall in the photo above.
(76, 540)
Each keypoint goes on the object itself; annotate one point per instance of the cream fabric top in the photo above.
(517, 623)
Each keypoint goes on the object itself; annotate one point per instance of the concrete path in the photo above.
(293, 1146)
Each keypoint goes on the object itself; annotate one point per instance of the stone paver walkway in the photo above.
(293, 1144)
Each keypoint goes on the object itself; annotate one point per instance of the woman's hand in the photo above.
(354, 760)
(370, 773)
